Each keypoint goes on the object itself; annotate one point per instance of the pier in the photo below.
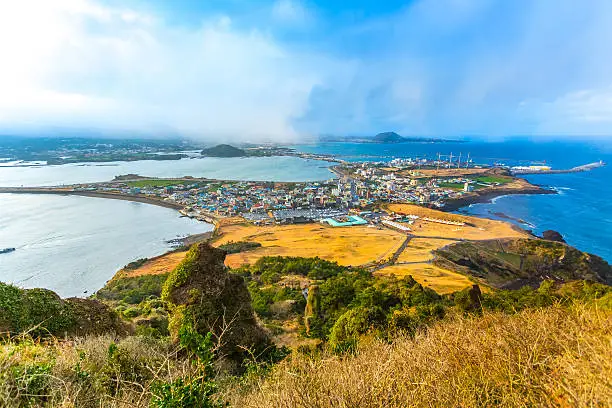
(538, 170)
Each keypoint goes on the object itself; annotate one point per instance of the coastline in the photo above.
(489, 196)
(190, 239)
(95, 194)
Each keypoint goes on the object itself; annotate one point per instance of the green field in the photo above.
(158, 183)
(493, 179)
(454, 186)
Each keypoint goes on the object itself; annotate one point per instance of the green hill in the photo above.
(223, 150)
(388, 137)
(342, 336)
(513, 263)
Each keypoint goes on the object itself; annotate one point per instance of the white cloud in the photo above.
(78, 63)
(438, 67)
(291, 12)
(585, 112)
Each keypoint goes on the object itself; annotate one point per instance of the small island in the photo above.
(388, 137)
(224, 150)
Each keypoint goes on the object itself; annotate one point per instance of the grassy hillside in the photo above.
(355, 339)
(548, 357)
(512, 263)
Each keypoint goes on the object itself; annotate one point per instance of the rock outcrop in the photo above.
(42, 313)
(551, 235)
(203, 295)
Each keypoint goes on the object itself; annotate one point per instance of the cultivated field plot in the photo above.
(355, 245)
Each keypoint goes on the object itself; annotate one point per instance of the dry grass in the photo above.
(475, 228)
(420, 249)
(441, 280)
(155, 266)
(347, 246)
(551, 357)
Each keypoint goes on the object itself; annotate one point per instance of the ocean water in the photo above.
(581, 211)
(73, 244)
(283, 168)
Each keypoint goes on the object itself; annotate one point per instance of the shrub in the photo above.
(240, 246)
(132, 290)
(197, 390)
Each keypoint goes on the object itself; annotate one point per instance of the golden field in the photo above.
(155, 266)
(359, 245)
(441, 280)
(346, 245)
(475, 228)
(419, 249)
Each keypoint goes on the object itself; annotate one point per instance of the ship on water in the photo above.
(6, 250)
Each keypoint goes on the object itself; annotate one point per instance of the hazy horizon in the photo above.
(292, 70)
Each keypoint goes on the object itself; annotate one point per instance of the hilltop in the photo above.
(280, 330)
(223, 150)
(388, 137)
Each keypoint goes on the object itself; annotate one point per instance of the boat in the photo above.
(6, 250)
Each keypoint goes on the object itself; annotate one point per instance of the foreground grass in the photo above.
(555, 356)
(550, 357)
(97, 371)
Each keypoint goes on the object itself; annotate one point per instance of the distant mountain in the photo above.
(385, 137)
(388, 137)
(223, 150)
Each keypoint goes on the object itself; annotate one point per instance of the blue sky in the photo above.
(292, 69)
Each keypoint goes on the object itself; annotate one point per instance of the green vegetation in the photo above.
(114, 156)
(454, 186)
(132, 290)
(554, 356)
(512, 263)
(358, 339)
(42, 313)
(240, 246)
(198, 388)
(38, 311)
(224, 150)
(203, 296)
(493, 179)
(136, 264)
(159, 183)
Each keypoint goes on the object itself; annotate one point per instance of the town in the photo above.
(359, 189)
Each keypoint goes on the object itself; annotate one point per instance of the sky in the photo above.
(286, 70)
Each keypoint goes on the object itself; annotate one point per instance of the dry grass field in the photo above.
(431, 276)
(155, 266)
(357, 245)
(346, 245)
(474, 228)
(420, 249)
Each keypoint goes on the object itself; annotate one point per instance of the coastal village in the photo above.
(358, 192)
(386, 216)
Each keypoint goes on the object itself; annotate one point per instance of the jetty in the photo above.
(546, 170)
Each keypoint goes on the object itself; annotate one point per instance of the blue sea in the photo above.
(581, 211)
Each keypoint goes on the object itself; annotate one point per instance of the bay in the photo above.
(72, 244)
